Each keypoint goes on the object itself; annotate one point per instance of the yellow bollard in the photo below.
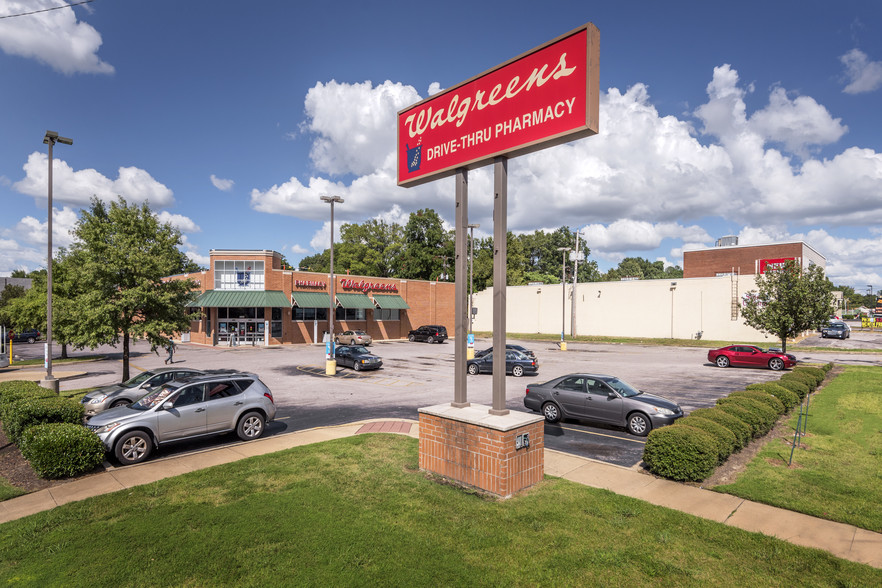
(563, 345)
(470, 353)
(331, 367)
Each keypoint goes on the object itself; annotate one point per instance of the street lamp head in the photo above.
(564, 248)
(474, 226)
(329, 199)
(52, 137)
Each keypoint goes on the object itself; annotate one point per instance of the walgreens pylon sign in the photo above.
(547, 96)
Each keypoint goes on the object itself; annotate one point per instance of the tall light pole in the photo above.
(563, 291)
(50, 382)
(331, 362)
(576, 254)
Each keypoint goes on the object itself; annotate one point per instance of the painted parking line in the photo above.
(605, 435)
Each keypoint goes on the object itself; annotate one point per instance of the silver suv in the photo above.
(183, 409)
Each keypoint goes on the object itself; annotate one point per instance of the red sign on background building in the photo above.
(547, 96)
(773, 264)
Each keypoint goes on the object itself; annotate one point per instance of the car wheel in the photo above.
(31, 340)
(430, 339)
(517, 371)
(133, 447)
(776, 364)
(356, 366)
(336, 341)
(121, 402)
(551, 412)
(411, 338)
(473, 368)
(251, 426)
(722, 361)
(823, 335)
(639, 424)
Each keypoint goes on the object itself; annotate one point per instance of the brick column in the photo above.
(478, 449)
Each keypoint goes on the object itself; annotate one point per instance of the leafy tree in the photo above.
(428, 248)
(320, 262)
(18, 273)
(9, 293)
(370, 249)
(643, 269)
(788, 301)
(123, 252)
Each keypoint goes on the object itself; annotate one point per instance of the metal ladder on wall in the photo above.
(733, 278)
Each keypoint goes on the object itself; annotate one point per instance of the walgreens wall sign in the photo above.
(547, 96)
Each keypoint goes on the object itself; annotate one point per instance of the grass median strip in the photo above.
(836, 473)
(357, 511)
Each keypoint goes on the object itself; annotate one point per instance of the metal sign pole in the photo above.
(500, 280)
(461, 323)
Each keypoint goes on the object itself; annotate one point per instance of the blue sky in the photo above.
(756, 119)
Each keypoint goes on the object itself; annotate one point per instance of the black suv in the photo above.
(429, 334)
(26, 336)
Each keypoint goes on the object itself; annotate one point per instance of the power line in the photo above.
(46, 9)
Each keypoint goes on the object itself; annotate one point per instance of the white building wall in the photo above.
(638, 308)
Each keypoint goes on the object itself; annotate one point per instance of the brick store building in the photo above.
(246, 295)
(725, 259)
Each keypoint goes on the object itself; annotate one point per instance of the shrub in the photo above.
(58, 450)
(17, 390)
(742, 431)
(681, 453)
(796, 387)
(725, 438)
(802, 377)
(737, 409)
(817, 373)
(787, 397)
(827, 366)
(766, 414)
(763, 397)
(28, 412)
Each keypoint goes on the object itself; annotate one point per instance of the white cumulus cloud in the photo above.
(862, 74)
(55, 38)
(222, 184)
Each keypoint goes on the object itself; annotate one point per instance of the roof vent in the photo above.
(727, 241)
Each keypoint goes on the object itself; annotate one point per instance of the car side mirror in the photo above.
(167, 405)
(611, 395)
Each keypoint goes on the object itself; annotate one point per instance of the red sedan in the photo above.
(750, 356)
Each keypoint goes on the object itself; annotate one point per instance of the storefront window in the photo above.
(387, 314)
(350, 314)
(238, 275)
(309, 314)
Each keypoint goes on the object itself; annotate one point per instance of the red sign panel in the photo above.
(547, 96)
(770, 265)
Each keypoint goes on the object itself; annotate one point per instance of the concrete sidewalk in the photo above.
(844, 541)
(36, 373)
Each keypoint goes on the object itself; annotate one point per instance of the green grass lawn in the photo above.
(838, 474)
(357, 511)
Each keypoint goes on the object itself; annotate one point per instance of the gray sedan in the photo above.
(601, 398)
(131, 390)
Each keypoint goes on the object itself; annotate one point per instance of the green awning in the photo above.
(311, 299)
(242, 299)
(390, 301)
(354, 301)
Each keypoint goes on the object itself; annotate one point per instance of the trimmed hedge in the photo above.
(681, 453)
(738, 410)
(27, 412)
(59, 450)
(763, 397)
(725, 438)
(742, 431)
(787, 397)
(802, 377)
(766, 414)
(817, 373)
(796, 387)
(15, 390)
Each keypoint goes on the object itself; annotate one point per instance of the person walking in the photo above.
(171, 351)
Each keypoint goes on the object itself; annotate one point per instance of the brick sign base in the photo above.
(478, 449)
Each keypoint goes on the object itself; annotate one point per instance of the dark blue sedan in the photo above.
(516, 364)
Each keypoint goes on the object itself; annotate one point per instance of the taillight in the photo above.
(528, 391)
(270, 396)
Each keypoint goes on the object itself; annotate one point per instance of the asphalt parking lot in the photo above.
(415, 375)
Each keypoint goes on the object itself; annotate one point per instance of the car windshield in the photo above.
(138, 380)
(359, 349)
(154, 398)
(623, 388)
